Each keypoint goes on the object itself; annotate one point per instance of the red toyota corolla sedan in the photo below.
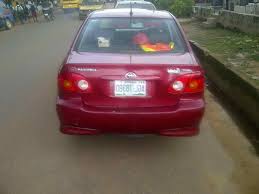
(130, 71)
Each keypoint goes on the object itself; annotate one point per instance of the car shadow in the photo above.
(118, 142)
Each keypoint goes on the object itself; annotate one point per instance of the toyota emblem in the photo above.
(130, 75)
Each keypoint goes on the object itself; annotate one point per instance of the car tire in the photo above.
(8, 24)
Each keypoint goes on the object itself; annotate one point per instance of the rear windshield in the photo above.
(130, 35)
(136, 5)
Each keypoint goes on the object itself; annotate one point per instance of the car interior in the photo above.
(118, 36)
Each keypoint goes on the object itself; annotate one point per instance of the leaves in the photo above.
(182, 8)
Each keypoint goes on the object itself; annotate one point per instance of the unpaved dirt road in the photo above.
(36, 159)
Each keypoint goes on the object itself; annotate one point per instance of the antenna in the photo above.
(131, 12)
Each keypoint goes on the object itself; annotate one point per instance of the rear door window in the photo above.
(130, 35)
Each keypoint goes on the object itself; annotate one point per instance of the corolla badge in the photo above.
(178, 71)
(83, 69)
(174, 70)
(130, 75)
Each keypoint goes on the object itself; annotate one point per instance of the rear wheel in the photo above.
(8, 24)
(47, 18)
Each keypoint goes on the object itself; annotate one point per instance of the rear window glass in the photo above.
(127, 35)
(136, 5)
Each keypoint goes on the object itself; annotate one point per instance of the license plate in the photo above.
(129, 88)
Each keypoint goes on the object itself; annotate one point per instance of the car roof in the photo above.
(138, 2)
(126, 13)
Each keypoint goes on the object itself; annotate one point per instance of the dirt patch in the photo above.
(246, 173)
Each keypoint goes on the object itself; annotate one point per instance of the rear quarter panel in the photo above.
(195, 59)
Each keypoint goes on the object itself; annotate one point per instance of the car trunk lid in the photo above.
(153, 72)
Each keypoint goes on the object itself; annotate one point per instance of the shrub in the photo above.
(182, 8)
(162, 4)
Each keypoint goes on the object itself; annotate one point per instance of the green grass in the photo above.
(237, 50)
(228, 43)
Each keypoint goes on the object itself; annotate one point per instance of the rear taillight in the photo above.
(187, 83)
(72, 83)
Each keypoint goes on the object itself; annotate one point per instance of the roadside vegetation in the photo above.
(180, 8)
(238, 50)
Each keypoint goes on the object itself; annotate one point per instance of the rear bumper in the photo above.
(184, 120)
(70, 6)
(70, 9)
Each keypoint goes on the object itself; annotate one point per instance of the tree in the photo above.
(182, 8)
(163, 4)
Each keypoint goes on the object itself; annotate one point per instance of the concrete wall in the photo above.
(240, 9)
(244, 22)
(239, 91)
(202, 12)
(251, 8)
